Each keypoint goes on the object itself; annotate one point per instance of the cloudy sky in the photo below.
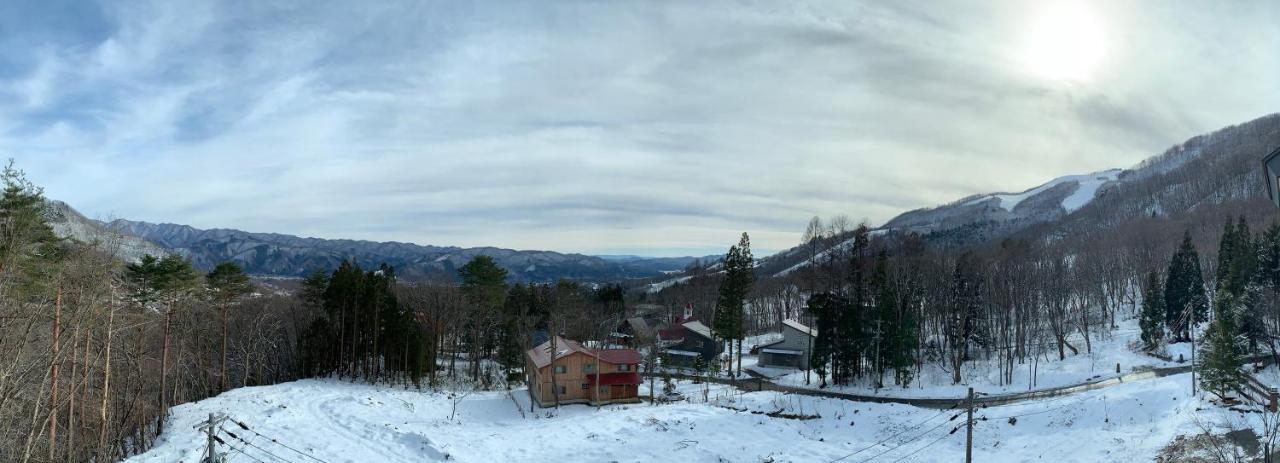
(658, 128)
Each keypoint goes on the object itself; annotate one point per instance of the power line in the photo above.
(930, 444)
(899, 433)
(272, 455)
(913, 439)
(1060, 407)
(245, 427)
(242, 452)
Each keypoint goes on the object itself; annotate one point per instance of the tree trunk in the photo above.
(53, 376)
(223, 376)
(106, 386)
(164, 370)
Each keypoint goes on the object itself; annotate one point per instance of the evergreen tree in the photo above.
(1223, 349)
(511, 346)
(226, 282)
(739, 269)
(857, 330)
(484, 285)
(27, 242)
(1226, 252)
(1269, 258)
(1152, 318)
(885, 303)
(825, 308)
(1184, 292)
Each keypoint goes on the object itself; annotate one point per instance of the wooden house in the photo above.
(793, 350)
(581, 375)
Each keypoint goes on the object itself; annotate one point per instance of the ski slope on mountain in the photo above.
(1087, 189)
(336, 421)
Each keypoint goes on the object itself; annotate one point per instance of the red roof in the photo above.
(610, 379)
(541, 355)
(619, 355)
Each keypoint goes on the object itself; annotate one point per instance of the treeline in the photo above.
(1239, 306)
(371, 327)
(885, 307)
(93, 352)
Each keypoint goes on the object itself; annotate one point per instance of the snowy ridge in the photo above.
(1087, 189)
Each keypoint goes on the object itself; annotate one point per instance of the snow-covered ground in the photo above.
(336, 421)
(984, 376)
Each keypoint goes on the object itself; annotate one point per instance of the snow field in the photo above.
(337, 421)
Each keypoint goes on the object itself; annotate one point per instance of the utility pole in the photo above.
(968, 423)
(211, 431)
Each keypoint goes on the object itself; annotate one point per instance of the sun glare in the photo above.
(1066, 42)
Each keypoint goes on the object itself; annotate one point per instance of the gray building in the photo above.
(792, 351)
(690, 342)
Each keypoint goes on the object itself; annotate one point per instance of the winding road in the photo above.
(759, 382)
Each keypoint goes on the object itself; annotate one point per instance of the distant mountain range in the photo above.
(273, 254)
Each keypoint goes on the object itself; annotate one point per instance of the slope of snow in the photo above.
(933, 380)
(1089, 184)
(336, 421)
(654, 288)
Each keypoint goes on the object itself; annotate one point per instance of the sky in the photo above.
(653, 128)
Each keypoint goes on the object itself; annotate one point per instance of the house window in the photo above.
(563, 391)
(624, 367)
(561, 369)
(604, 389)
(585, 386)
(588, 368)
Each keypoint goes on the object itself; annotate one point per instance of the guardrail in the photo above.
(1260, 393)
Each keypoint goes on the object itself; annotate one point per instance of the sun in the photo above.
(1065, 42)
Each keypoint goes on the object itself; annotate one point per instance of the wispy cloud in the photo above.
(592, 127)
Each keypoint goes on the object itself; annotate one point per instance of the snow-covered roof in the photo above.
(697, 327)
(783, 351)
(800, 327)
(683, 353)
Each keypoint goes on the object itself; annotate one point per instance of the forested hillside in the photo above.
(888, 301)
(274, 254)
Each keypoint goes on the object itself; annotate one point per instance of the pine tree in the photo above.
(484, 285)
(1223, 349)
(1152, 317)
(29, 244)
(226, 282)
(739, 269)
(885, 303)
(825, 308)
(1226, 252)
(511, 348)
(1184, 292)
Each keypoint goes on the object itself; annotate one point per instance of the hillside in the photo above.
(1194, 184)
(273, 254)
(69, 223)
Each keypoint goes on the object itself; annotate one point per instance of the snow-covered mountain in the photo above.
(1200, 181)
(1051, 200)
(69, 223)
